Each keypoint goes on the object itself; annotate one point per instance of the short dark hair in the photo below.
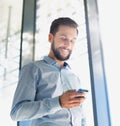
(62, 21)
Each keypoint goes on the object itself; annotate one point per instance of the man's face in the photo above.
(57, 52)
(63, 42)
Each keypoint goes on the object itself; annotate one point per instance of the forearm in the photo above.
(28, 110)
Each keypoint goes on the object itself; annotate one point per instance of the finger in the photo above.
(76, 100)
(75, 104)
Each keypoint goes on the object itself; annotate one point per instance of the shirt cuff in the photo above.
(55, 104)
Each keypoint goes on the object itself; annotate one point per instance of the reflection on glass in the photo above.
(46, 12)
(27, 48)
(10, 24)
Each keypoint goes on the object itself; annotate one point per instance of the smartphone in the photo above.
(82, 90)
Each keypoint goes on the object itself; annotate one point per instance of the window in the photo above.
(10, 32)
(109, 22)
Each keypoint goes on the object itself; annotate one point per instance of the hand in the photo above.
(71, 99)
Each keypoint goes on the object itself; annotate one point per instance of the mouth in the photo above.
(65, 50)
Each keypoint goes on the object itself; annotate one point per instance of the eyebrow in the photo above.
(66, 36)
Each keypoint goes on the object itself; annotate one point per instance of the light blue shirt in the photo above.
(37, 94)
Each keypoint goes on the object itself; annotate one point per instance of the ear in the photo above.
(50, 37)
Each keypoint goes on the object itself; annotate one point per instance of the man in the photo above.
(46, 92)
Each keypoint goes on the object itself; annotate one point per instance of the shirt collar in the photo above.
(52, 61)
(49, 60)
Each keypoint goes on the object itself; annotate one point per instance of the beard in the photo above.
(57, 53)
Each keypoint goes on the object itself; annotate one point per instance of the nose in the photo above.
(67, 42)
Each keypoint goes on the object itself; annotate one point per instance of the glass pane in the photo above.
(110, 24)
(10, 27)
(47, 11)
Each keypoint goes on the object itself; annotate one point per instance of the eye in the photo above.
(73, 40)
(63, 38)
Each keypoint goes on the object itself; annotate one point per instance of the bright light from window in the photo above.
(109, 22)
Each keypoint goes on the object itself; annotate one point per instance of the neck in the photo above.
(61, 63)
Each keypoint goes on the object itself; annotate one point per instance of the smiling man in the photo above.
(46, 92)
